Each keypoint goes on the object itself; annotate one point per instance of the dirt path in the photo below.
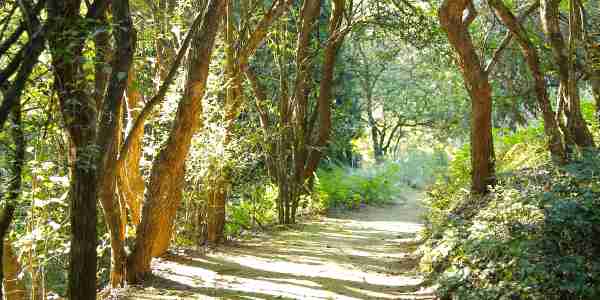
(359, 255)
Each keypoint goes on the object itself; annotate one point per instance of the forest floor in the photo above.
(363, 254)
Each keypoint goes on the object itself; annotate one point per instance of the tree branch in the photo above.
(508, 38)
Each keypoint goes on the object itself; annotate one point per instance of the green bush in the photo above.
(533, 237)
(255, 209)
(343, 187)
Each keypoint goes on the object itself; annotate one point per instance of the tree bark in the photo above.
(477, 84)
(14, 185)
(109, 137)
(14, 287)
(164, 191)
(130, 181)
(102, 59)
(236, 63)
(595, 82)
(564, 58)
(551, 129)
(219, 180)
(79, 114)
(336, 38)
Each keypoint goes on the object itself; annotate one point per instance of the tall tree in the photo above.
(565, 59)
(295, 154)
(9, 206)
(109, 137)
(455, 18)
(238, 51)
(165, 188)
(69, 27)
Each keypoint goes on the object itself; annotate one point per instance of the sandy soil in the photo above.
(364, 254)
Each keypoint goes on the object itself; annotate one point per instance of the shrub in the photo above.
(533, 237)
(342, 187)
(255, 209)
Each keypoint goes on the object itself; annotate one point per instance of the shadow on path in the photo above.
(365, 254)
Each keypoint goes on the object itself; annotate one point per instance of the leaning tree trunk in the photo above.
(166, 179)
(130, 181)
(551, 129)
(476, 81)
(336, 38)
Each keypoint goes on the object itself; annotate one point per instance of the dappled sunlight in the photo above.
(403, 227)
(360, 255)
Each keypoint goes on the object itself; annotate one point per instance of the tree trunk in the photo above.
(298, 156)
(377, 153)
(109, 139)
(130, 181)
(326, 92)
(217, 196)
(551, 128)
(14, 287)
(79, 114)
(102, 58)
(235, 64)
(14, 186)
(565, 59)
(220, 179)
(166, 181)
(595, 82)
(477, 83)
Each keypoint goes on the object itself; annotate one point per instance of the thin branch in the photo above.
(162, 91)
(508, 38)
(33, 51)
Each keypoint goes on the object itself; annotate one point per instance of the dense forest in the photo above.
(299, 149)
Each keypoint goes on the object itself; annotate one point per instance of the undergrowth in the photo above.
(344, 187)
(533, 237)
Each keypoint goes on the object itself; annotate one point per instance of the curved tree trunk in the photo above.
(551, 129)
(476, 81)
(166, 181)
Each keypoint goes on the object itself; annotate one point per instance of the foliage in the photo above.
(342, 187)
(421, 162)
(253, 211)
(531, 238)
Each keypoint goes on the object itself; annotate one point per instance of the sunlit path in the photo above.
(359, 255)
